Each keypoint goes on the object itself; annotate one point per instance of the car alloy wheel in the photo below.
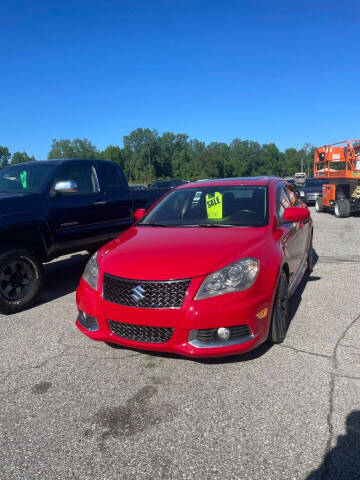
(21, 275)
(279, 322)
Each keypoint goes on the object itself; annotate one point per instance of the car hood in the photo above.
(160, 253)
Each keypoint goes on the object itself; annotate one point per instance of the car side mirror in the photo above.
(296, 214)
(139, 214)
(66, 186)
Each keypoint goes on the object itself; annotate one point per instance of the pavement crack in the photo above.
(326, 473)
(298, 350)
(32, 367)
(350, 377)
(349, 346)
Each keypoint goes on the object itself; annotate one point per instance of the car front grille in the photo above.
(236, 333)
(141, 333)
(144, 294)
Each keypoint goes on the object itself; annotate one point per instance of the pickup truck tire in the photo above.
(21, 276)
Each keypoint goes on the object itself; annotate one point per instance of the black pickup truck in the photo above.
(51, 208)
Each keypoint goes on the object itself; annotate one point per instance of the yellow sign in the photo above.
(214, 205)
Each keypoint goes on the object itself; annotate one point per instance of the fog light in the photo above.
(223, 333)
(88, 322)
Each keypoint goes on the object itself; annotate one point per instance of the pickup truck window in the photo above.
(25, 178)
(84, 175)
(110, 177)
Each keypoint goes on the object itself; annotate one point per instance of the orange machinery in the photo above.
(339, 164)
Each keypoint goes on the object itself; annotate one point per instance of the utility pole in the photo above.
(149, 164)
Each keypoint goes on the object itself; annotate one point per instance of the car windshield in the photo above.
(24, 178)
(314, 182)
(215, 206)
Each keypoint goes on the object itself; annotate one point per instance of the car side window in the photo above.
(111, 177)
(83, 175)
(292, 196)
(283, 203)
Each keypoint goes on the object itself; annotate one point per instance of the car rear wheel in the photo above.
(318, 205)
(21, 276)
(310, 258)
(280, 313)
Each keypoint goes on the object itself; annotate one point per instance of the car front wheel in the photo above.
(280, 313)
(21, 276)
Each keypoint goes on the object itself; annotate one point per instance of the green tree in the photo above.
(141, 148)
(114, 153)
(20, 157)
(77, 148)
(4, 156)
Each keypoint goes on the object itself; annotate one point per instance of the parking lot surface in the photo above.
(71, 408)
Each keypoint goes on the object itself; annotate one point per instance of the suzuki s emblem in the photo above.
(138, 293)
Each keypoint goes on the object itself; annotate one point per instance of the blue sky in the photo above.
(282, 71)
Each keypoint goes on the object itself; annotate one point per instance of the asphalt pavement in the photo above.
(71, 408)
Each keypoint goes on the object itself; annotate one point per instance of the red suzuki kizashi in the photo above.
(207, 271)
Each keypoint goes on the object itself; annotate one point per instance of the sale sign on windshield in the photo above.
(214, 205)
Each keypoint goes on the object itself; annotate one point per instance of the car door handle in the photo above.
(101, 202)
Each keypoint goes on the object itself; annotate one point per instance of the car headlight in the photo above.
(302, 194)
(91, 272)
(235, 277)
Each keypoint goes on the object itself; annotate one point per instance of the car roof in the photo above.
(59, 161)
(261, 181)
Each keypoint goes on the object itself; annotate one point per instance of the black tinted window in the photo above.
(83, 175)
(26, 178)
(110, 177)
(314, 182)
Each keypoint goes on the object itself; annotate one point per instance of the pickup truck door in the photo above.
(77, 218)
(118, 209)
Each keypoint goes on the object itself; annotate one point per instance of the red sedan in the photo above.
(207, 271)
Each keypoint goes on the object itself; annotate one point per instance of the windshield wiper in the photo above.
(208, 225)
(155, 224)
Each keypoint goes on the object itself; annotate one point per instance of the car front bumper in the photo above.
(234, 311)
(310, 197)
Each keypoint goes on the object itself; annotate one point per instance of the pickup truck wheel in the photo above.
(21, 276)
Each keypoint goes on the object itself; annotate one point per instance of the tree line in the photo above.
(146, 156)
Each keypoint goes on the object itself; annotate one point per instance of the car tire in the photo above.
(318, 205)
(280, 313)
(342, 208)
(310, 258)
(21, 276)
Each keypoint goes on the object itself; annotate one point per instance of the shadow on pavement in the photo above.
(62, 277)
(343, 461)
(297, 297)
